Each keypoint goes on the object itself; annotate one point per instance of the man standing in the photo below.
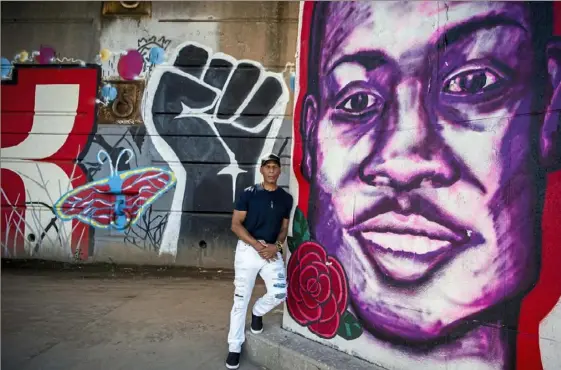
(260, 221)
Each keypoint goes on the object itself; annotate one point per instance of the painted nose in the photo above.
(412, 151)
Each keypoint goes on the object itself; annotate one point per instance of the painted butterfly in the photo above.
(116, 201)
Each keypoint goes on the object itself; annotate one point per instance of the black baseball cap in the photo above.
(269, 158)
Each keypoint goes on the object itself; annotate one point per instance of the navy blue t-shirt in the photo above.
(265, 211)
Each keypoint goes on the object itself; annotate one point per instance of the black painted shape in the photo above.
(193, 139)
(218, 72)
(175, 89)
(192, 60)
(248, 148)
(243, 79)
(181, 136)
(261, 103)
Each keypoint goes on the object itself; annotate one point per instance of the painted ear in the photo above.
(550, 137)
(308, 125)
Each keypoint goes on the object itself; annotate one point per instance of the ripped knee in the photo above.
(240, 293)
(279, 288)
(279, 294)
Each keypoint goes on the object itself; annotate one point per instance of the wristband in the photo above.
(279, 246)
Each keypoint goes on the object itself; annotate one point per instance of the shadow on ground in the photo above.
(116, 317)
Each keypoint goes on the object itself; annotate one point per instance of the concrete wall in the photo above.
(211, 152)
(427, 229)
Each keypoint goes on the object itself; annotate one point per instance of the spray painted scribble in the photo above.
(210, 108)
(420, 160)
(117, 201)
(146, 44)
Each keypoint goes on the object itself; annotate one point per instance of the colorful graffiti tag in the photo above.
(48, 113)
(426, 232)
(117, 201)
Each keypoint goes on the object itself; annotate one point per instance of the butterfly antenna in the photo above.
(101, 151)
(127, 150)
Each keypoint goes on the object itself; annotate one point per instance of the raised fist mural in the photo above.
(211, 117)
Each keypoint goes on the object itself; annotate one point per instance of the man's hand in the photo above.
(260, 245)
(269, 252)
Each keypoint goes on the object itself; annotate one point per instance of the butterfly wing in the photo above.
(142, 187)
(89, 203)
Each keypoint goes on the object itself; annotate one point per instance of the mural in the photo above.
(153, 50)
(155, 185)
(48, 114)
(117, 201)
(211, 117)
(149, 52)
(48, 175)
(426, 233)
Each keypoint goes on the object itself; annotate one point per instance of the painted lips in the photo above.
(407, 247)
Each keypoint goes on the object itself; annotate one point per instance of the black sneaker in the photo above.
(233, 360)
(256, 324)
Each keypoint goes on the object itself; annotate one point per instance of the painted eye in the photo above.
(472, 82)
(360, 103)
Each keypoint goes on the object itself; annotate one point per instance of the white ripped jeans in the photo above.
(248, 263)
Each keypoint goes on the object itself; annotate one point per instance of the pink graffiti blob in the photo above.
(130, 65)
(46, 54)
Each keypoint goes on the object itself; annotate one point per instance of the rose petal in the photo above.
(310, 258)
(295, 311)
(316, 289)
(309, 300)
(308, 272)
(338, 284)
(325, 288)
(321, 267)
(294, 287)
(329, 309)
(310, 314)
(311, 247)
(326, 329)
(312, 286)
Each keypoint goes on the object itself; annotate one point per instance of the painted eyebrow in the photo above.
(473, 25)
(369, 59)
(372, 59)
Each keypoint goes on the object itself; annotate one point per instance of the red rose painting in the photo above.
(317, 293)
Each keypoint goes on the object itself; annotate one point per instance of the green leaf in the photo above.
(300, 227)
(300, 231)
(306, 235)
(349, 328)
(296, 228)
(291, 244)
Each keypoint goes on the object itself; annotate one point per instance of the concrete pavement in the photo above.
(58, 320)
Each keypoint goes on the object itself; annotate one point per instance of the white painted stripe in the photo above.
(55, 113)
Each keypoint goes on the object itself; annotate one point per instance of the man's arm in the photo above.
(285, 221)
(242, 233)
(283, 231)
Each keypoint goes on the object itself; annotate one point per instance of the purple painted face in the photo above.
(420, 159)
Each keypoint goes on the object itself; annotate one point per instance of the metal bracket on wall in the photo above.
(122, 9)
(125, 109)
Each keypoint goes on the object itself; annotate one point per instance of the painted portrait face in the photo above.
(420, 150)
